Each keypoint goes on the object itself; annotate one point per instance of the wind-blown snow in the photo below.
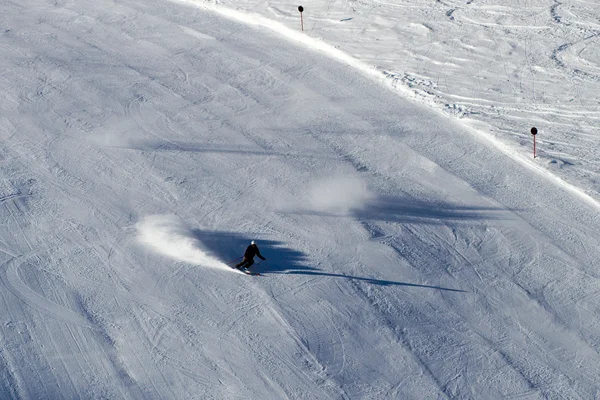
(338, 195)
(169, 235)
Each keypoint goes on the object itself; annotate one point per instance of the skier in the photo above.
(248, 260)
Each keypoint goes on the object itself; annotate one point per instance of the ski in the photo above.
(246, 272)
(250, 272)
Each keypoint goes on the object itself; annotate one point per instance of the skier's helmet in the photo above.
(253, 242)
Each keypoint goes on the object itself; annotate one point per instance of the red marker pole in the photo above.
(300, 8)
(534, 133)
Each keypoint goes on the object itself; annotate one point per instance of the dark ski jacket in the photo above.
(252, 251)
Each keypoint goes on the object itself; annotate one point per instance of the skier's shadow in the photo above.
(229, 247)
(371, 280)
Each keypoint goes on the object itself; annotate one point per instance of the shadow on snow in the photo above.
(370, 280)
(229, 247)
(406, 210)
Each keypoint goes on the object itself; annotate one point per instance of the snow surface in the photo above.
(410, 253)
(502, 67)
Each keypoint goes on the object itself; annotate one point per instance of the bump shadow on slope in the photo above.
(173, 146)
(191, 147)
(229, 247)
(406, 210)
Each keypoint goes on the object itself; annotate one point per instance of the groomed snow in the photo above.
(501, 67)
(410, 253)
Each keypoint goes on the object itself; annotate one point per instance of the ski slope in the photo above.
(499, 66)
(146, 142)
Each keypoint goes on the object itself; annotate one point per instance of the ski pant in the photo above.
(246, 263)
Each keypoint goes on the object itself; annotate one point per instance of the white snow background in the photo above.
(381, 158)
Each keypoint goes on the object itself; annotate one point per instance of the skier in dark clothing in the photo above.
(248, 260)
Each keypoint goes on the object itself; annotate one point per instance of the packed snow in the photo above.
(502, 67)
(381, 159)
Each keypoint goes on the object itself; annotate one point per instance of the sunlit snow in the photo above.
(381, 159)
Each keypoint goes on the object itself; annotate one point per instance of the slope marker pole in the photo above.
(300, 8)
(534, 132)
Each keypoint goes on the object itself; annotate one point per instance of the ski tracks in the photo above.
(320, 356)
(490, 291)
(575, 56)
(16, 285)
(317, 331)
(73, 314)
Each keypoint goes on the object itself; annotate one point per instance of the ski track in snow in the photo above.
(14, 283)
(447, 270)
(482, 62)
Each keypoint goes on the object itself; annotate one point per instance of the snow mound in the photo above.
(170, 236)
